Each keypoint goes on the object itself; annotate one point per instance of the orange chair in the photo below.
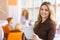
(15, 36)
(6, 29)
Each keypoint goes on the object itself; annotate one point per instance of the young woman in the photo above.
(25, 18)
(45, 26)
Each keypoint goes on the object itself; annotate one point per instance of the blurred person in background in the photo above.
(26, 24)
(25, 18)
(10, 21)
(18, 27)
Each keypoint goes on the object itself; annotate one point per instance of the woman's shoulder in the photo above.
(52, 24)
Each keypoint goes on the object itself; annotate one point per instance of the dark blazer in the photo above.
(46, 30)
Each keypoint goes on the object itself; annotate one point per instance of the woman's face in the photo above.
(25, 13)
(11, 21)
(44, 11)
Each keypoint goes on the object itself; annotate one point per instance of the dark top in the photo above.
(46, 30)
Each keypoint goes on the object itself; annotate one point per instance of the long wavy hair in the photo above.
(51, 13)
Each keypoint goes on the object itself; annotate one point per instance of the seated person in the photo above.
(9, 20)
(18, 27)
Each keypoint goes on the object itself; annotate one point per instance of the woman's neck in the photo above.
(43, 20)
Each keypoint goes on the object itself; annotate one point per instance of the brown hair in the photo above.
(9, 19)
(26, 16)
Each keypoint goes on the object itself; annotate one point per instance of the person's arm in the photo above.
(51, 32)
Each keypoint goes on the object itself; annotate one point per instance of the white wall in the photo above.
(33, 8)
(15, 12)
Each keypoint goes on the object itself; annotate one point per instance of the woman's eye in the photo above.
(41, 9)
(44, 9)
